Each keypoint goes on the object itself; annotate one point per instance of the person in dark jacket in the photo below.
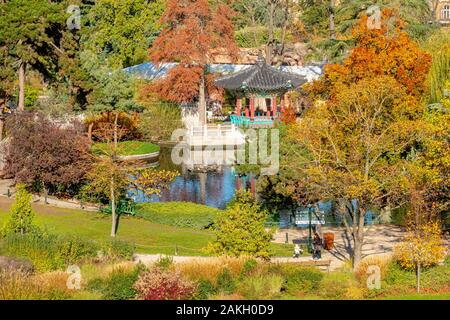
(317, 246)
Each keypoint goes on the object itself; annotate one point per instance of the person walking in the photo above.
(317, 245)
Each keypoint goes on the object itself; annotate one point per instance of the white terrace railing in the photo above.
(215, 135)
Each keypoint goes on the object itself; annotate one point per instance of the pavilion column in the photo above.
(274, 105)
(252, 107)
(238, 106)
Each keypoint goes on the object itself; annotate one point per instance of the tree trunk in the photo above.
(357, 231)
(269, 53)
(332, 27)
(113, 209)
(418, 269)
(45, 193)
(202, 101)
(116, 121)
(22, 71)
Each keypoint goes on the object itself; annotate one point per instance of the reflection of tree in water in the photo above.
(214, 189)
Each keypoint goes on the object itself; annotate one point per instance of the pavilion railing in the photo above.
(256, 122)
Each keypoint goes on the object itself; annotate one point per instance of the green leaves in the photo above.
(240, 230)
(21, 214)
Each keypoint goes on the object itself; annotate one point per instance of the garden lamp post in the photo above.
(309, 229)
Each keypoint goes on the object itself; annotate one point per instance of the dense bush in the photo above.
(50, 252)
(157, 284)
(240, 229)
(210, 269)
(340, 285)
(46, 154)
(21, 286)
(204, 289)
(298, 278)
(226, 283)
(261, 286)
(361, 272)
(115, 249)
(119, 285)
(180, 214)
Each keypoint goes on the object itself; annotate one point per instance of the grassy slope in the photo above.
(149, 237)
(129, 148)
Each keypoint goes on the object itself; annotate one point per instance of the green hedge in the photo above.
(179, 214)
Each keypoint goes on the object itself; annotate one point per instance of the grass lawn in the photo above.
(178, 214)
(128, 148)
(148, 236)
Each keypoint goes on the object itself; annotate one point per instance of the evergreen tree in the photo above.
(240, 230)
(21, 213)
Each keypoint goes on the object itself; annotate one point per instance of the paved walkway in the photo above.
(379, 240)
(51, 201)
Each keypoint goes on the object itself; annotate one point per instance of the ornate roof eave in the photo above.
(261, 78)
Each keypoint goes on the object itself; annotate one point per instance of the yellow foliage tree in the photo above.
(423, 247)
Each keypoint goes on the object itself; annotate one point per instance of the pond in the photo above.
(213, 188)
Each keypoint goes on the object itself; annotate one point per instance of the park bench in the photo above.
(123, 207)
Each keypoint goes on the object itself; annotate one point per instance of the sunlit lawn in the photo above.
(149, 237)
(128, 148)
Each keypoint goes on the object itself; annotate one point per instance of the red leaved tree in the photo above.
(192, 30)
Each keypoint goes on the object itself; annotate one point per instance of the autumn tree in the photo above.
(44, 153)
(192, 29)
(385, 51)
(111, 176)
(423, 245)
(367, 117)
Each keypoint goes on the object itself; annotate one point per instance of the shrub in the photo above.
(21, 214)
(210, 269)
(240, 230)
(340, 285)
(116, 249)
(261, 286)
(248, 267)
(225, 281)
(159, 285)
(395, 275)
(119, 285)
(298, 278)
(204, 290)
(361, 272)
(179, 214)
(19, 286)
(164, 262)
(49, 252)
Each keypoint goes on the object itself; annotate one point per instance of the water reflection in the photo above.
(214, 188)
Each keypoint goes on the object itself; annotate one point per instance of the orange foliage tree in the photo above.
(385, 51)
(365, 122)
(192, 30)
